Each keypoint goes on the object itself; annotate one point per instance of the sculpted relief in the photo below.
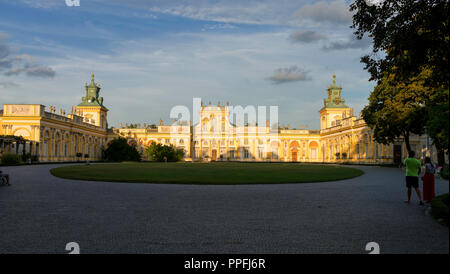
(21, 110)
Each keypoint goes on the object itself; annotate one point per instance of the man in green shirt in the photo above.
(412, 175)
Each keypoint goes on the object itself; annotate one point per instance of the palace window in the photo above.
(275, 153)
(246, 153)
(261, 152)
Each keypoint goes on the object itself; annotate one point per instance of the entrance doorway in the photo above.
(294, 156)
(213, 155)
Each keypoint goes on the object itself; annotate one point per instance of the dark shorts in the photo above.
(412, 181)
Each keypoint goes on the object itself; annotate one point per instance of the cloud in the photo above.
(217, 27)
(336, 12)
(42, 71)
(8, 85)
(350, 43)
(44, 4)
(18, 64)
(291, 74)
(306, 36)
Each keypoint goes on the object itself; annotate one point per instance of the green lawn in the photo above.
(207, 173)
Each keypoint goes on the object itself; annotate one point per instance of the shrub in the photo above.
(11, 159)
(25, 157)
(439, 207)
(444, 172)
(159, 153)
(119, 150)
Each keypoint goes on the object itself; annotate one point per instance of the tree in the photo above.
(411, 34)
(410, 45)
(160, 153)
(395, 110)
(119, 150)
(438, 126)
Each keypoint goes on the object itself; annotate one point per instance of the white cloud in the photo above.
(305, 36)
(12, 64)
(290, 74)
(143, 78)
(336, 12)
(349, 43)
(8, 84)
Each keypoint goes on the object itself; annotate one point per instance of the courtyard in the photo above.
(41, 213)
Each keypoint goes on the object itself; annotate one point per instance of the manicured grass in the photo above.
(207, 173)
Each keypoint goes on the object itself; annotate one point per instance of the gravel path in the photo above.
(41, 213)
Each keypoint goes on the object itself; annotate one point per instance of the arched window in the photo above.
(274, 150)
(313, 150)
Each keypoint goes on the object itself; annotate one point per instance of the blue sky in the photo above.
(152, 55)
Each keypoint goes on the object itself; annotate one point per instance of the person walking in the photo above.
(412, 175)
(428, 180)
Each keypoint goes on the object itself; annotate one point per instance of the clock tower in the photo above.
(91, 106)
(334, 108)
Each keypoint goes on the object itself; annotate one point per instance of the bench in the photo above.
(4, 179)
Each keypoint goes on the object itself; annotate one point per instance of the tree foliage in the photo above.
(437, 126)
(411, 34)
(119, 150)
(409, 61)
(395, 110)
(161, 153)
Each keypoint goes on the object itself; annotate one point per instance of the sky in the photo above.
(151, 55)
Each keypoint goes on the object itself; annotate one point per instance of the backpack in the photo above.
(431, 168)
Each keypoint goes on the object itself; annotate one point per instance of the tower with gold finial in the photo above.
(334, 106)
(94, 112)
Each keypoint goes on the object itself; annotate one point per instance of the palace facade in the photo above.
(83, 134)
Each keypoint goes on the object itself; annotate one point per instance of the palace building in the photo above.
(82, 134)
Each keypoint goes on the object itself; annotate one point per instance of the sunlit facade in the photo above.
(83, 134)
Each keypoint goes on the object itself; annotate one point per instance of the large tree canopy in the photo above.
(408, 35)
(409, 61)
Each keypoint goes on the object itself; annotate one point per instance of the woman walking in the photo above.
(428, 180)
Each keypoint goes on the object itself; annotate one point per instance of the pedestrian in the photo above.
(428, 180)
(412, 175)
